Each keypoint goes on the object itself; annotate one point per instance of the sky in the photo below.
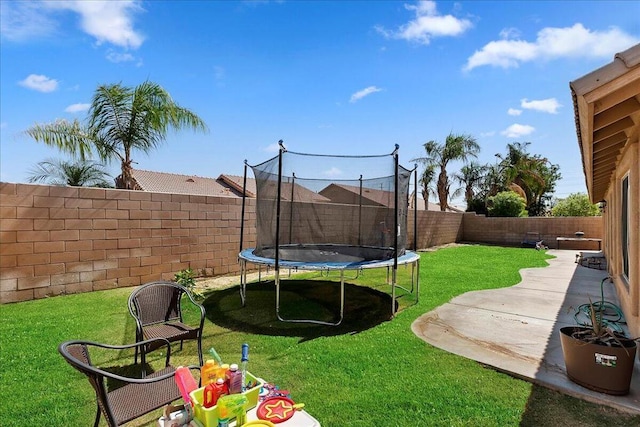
(327, 77)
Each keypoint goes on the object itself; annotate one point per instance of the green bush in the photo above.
(577, 204)
(507, 203)
(186, 278)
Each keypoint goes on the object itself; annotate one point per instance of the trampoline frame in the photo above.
(409, 258)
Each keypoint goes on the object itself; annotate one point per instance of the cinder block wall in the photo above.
(435, 228)
(56, 240)
(510, 231)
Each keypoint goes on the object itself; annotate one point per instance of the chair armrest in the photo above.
(137, 344)
(135, 316)
(200, 306)
(62, 348)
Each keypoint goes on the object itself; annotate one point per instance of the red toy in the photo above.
(277, 409)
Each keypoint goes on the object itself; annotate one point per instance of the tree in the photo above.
(78, 173)
(471, 176)
(531, 176)
(507, 203)
(120, 119)
(576, 204)
(455, 147)
(426, 182)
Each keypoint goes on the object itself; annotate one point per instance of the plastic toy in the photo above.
(277, 409)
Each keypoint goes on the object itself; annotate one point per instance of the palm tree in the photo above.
(78, 173)
(530, 175)
(120, 119)
(455, 147)
(426, 184)
(471, 176)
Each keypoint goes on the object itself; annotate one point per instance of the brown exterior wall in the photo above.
(627, 287)
(436, 228)
(511, 231)
(57, 240)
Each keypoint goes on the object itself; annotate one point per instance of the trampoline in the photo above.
(352, 220)
(328, 258)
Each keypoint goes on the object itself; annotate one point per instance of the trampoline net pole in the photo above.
(293, 185)
(244, 197)
(278, 207)
(415, 208)
(360, 213)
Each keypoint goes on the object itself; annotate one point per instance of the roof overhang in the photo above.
(607, 113)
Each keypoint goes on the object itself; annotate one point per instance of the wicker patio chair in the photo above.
(156, 307)
(137, 397)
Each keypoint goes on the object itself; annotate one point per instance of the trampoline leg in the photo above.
(277, 282)
(393, 292)
(417, 264)
(341, 297)
(243, 282)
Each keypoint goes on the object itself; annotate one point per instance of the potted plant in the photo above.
(597, 357)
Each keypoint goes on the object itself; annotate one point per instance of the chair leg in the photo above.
(135, 357)
(95, 424)
(143, 361)
(200, 351)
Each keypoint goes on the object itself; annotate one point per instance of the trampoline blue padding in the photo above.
(341, 261)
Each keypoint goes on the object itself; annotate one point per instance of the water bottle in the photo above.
(243, 365)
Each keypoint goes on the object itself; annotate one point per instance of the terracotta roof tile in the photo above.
(162, 182)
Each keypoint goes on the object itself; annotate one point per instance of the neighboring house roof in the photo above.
(432, 206)
(162, 182)
(236, 182)
(301, 194)
(607, 113)
(349, 194)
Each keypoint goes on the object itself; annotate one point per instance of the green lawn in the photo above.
(369, 371)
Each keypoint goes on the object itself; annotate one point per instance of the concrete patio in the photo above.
(516, 329)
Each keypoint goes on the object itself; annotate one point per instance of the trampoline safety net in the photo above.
(320, 207)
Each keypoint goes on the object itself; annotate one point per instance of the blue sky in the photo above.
(326, 77)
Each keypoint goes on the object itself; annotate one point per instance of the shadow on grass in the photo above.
(364, 308)
(549, 408)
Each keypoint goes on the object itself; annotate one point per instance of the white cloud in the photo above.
(116, 57)
(272, 148)
(77, 108)
(218, 72)
(24, 20)
(427, 24)
(514, 112)
(364, 92)
(551, 43)
(107, 21)
(39, 82)
(549, 105)
(516, 130)
(333, 172)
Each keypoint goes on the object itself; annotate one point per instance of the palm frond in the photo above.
(68, 137)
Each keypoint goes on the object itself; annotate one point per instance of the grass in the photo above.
(367, 371)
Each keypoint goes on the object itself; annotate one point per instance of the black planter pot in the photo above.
(598, 367)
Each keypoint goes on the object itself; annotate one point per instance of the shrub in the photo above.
(507, 203)
(576, 204)
(186, 278)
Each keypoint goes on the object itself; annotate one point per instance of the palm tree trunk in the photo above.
(125, 180)
(442, 189)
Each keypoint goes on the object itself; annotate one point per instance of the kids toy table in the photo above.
(300, 418)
